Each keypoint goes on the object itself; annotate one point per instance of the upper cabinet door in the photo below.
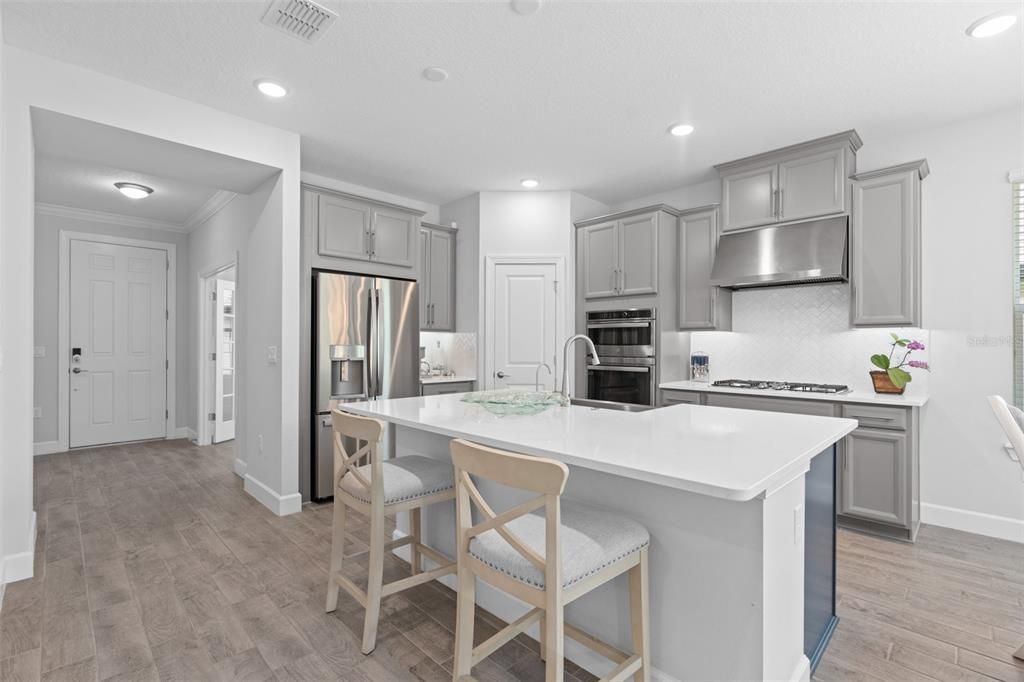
(442, 280)
(698, 299)
(424, 278)
(343, 228)
(748, 197)
(393, 238)
(638, 255)
(600, 245)
(884, 250)
(813, 185)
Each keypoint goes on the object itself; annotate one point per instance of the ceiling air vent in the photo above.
(300, 19)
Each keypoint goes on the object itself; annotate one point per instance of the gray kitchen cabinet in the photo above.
(885, 246)
(447, 388)
(600, 246)
(437, 278)
(801, 181)
(350, 228)
(701, 304)
(794, 406)
(675, 397)
(874, 475)
(618, 255)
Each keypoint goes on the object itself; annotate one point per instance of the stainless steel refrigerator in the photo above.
(366, 347)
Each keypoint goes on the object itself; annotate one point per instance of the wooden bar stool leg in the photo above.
(543, 641)
(465, 613)
(639, 615)
(417, 538)
(337, 554)
(375, 578)
(554, 664)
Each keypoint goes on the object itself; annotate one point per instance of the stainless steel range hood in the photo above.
(799, 253)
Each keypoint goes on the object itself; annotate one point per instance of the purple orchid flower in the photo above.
(918, 364)
(915, 345)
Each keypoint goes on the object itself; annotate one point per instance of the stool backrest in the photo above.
(366, 434)
(1010, 418)
(534, 474)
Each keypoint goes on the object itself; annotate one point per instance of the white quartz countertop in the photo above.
(716, 451)
(865, 397)
(453, 379)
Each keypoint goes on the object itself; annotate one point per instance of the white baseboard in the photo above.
(803, 670)
(240, 467)
(47, 447)
(1002, 527)
(282, 505)
(183, 432)
(14, 567)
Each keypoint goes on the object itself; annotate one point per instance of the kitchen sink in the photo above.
(608, 405)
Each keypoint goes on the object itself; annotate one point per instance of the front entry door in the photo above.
(118, 341)
(224, 376)
(525, 334)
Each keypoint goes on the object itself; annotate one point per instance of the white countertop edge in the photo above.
(862, 397)
(763, 487)
(454, 379)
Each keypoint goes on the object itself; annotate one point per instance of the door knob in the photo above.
(78, 370)
(500, 375)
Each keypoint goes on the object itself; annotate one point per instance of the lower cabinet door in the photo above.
(873, 475)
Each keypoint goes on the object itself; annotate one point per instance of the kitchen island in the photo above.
(730, 497)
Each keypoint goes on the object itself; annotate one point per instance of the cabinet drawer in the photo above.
(744, 402)
(670, 397)
(877, 417)
(444, 389)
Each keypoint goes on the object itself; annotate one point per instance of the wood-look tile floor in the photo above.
(153, 564)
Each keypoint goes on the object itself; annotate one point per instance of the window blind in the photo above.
(1018, 293)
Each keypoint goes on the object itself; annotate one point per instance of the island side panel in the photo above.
(706, 573)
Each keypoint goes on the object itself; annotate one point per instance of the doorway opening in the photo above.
(218, 331)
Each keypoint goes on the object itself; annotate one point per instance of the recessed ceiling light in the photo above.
(271, 89)
(132, 190)
(529, 183)
(435, 74)
(681, 129)
(991, 25)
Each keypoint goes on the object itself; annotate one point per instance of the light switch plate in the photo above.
(37, 413)
(272, 355)
(798, 525)
(39, 351)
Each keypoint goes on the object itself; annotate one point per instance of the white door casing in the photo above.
(118, 319)
(525, 320)
(224, 362)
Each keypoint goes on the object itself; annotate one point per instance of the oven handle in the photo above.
(618, 325)
(617, 368)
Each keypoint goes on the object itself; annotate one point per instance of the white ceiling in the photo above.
(78, 162)
(578, 95)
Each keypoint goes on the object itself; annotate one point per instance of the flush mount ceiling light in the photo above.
(993, 24)
(435, 74)
(271, 89)
(132, 190)
(525, 7)
(529, 183)
(681, 129)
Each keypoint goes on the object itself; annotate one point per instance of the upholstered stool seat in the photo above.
(405, 478)
(591, 539)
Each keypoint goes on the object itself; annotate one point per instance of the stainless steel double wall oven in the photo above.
(626, 343)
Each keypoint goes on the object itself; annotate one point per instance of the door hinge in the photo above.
(212, 416)
(213, 295)
(555, 281)
(167, 314)
(167, 364)
(168, 264)
(213, 356)
(167, 414)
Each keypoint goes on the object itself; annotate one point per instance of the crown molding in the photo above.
(109, 218)
(213, 205)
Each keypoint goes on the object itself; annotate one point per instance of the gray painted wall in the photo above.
(47, 259)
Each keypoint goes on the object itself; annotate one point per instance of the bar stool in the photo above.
(380, 488)
(546, 561)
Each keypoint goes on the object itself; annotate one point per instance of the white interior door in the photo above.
(224, 362)
(524, 300)
(118, 339)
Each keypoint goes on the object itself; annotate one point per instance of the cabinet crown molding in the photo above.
(921, 166)
(849, 137)
(436, 226)
(365, 200)
(698, 209)
(664, 208)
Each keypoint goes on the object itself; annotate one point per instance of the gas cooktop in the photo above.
(797, 386)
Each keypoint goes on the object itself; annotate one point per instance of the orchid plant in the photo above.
(897, 374)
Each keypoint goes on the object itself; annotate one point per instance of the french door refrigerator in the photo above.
(366, 347)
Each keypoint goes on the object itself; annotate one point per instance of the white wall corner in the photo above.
(240, 467)
(183, 432)
(282, 505)
(1002, 527)
(19, 566)
(47, 447)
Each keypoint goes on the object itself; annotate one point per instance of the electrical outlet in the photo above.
(37, 412)
(39, 351)
(798, 525)
(259, 442)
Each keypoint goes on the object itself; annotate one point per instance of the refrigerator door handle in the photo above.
(380, 343)
(370, 345)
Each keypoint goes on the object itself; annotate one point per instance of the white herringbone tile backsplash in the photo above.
(800, 334)
(456, 351)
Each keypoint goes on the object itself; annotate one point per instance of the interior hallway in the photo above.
(152, 563)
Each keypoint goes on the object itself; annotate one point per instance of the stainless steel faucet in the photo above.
(565, 359)
(536, 375)
(429, 368)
